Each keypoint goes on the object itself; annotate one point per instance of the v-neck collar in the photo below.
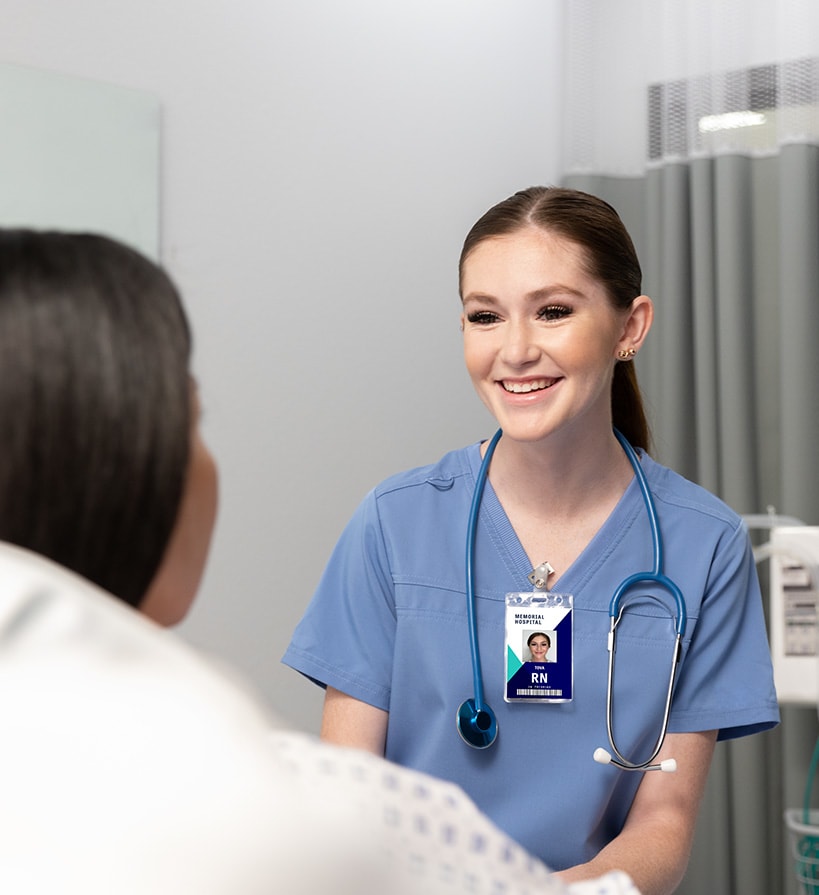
(493, 517)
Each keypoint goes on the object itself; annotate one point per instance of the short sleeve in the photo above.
(346, 638)
(726, 681)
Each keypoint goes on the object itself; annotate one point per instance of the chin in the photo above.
(532, 434)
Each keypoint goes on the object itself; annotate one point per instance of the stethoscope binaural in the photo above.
(476, 722)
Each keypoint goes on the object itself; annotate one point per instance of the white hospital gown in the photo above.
(130, 765)
(429, 828)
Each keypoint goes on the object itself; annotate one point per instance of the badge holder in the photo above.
(539, 648)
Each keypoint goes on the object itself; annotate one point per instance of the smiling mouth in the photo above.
(522, 388)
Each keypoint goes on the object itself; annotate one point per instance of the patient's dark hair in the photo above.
(95, 405)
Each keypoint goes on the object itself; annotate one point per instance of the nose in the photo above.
(519, 345)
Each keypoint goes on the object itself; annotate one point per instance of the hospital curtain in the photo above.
(699, 122)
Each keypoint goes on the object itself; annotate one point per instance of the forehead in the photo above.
(526, 260)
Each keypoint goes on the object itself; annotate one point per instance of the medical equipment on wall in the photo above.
(793, 552)
(475, 720)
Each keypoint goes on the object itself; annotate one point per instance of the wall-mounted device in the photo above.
(793, 552)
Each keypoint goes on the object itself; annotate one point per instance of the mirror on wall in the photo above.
(79, 154)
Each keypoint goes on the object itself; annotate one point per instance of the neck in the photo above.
(576, 473)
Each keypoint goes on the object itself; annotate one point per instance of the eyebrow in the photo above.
(544, 294)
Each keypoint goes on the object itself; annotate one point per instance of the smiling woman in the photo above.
(579, 244)
(553, 315)
(541, 335)
(539, 645)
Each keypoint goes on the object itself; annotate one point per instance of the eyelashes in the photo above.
(554, 312)
(482, 318)
(548, 313)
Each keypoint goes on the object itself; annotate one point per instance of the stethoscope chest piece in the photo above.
(478, 727)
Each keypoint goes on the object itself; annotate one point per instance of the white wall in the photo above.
(79, 154)
(321, 164)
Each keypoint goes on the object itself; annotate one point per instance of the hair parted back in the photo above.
(595, 226)
(534, 634)
(95, 405)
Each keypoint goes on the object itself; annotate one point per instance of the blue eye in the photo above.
(554, 312)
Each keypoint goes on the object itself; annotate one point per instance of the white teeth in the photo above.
(520, 388)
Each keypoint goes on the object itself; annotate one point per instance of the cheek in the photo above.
(477, 356)
(174, 588)
(594, 354)
(205, 476)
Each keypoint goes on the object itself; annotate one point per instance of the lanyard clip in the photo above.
(540, 575)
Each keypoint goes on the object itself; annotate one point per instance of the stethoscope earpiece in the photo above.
(601, 756)
(478, 727)
(669, 765)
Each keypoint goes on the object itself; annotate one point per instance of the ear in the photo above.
(636, 325)
(462, 323)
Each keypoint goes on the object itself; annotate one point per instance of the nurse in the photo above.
(552, 316)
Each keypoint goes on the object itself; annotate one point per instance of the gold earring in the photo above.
(626, 353)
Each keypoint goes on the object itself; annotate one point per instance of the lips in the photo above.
(523, 388)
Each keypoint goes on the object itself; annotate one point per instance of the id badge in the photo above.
(539, 660)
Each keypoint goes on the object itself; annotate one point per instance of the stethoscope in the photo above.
(476, 722)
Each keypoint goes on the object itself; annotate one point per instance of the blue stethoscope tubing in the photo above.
(477, 723)
(616, 609)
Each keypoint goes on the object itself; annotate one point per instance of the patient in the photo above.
(129, 765)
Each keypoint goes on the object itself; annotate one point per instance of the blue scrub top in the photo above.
(388, 626)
